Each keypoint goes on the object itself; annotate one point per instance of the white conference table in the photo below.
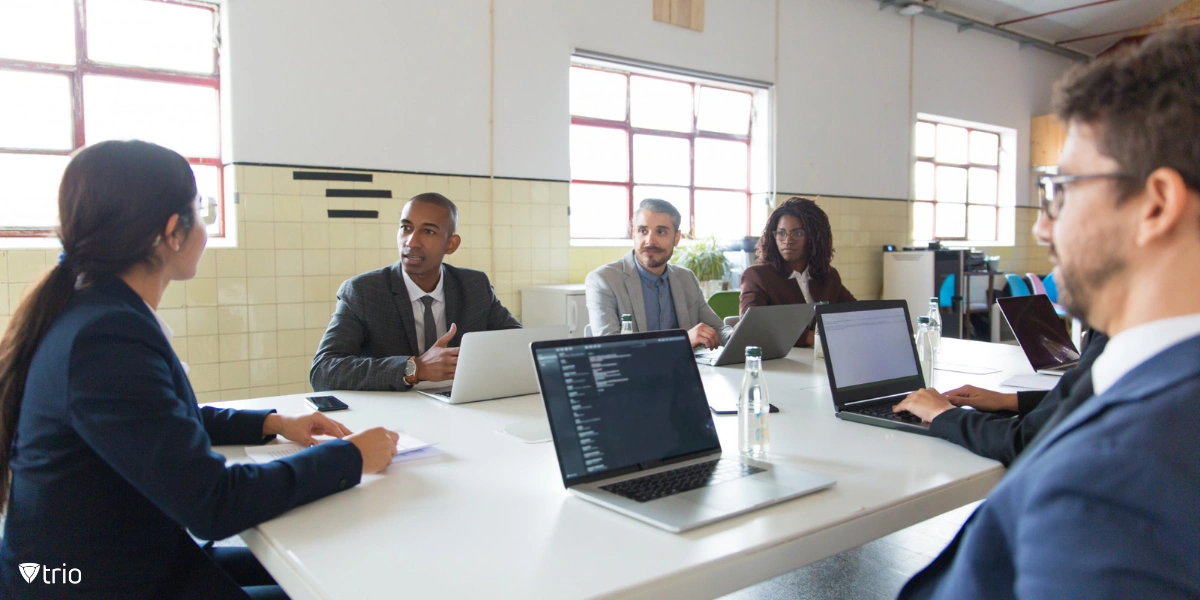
(490, 517)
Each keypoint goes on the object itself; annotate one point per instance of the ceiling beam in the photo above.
(1055, 12)
(964, 22)
(1136, 31)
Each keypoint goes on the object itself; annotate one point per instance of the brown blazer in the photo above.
(762, 285)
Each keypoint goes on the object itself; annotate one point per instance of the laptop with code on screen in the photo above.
(633, 433)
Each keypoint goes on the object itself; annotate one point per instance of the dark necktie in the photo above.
(431, 335)
(1080, 393)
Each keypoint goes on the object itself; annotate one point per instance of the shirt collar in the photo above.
(415, 293)
(166, 329)
(649, 277)
(1132, 347)
(799, 275)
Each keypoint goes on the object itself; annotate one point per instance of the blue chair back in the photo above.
(1015, 285)
(946, 292)
(1051, 287)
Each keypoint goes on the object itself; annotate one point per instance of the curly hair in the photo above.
(1145, 102)
(818, 238)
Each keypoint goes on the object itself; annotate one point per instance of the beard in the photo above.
(1081, 280)
(652, 263)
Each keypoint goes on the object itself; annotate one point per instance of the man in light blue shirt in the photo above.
(656, 290)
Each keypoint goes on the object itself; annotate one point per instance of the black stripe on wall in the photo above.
(358, 193)
(353, 214)
(323, 176)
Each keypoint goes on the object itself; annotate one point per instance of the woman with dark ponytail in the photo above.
(105, 456)
(793, 267)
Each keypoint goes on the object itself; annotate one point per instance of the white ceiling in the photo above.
(1092, 20)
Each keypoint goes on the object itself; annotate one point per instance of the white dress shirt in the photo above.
(167, 331)
(1129, 349)
(802, 280)
(439, 308)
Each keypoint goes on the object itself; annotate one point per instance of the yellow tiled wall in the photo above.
(248, 324)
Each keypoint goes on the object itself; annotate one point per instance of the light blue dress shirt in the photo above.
(660, 308)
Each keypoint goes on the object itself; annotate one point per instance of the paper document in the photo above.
(407, 445)
(968, 369)
(1032, 382)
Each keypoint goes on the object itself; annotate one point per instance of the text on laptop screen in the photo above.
(869, 347)
(616, 404)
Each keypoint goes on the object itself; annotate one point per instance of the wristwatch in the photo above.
(410, 372)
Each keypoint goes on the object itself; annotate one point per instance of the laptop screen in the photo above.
(869, 350)
(1042, 334)
(617, 404)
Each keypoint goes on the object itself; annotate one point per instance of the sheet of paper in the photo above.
(968, 369)
(406, 445)
(1032, 382)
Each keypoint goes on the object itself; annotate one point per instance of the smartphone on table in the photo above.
(326, 403)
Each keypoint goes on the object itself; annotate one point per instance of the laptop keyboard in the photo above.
(678, 481)
(884, 411)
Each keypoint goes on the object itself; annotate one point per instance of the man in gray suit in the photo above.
(402, 324)
(658, 295)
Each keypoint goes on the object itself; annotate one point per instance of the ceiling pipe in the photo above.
(1055, 12)
(963, 23)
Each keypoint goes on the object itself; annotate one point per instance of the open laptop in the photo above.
(775, 329)
(494, 364)
(872, 362)
(633, 433)
(1041, 332)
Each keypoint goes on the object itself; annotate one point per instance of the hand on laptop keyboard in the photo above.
(925, 404)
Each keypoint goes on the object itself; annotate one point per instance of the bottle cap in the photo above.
(933, 299)
(626, 318)
(922, 319)
(753, 352)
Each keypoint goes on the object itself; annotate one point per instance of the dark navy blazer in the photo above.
(113, 460)
(1107, 505)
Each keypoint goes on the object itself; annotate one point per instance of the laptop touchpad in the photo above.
(739, 493)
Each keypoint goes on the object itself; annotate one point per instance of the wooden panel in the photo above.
(1046, 137)
(684, 13)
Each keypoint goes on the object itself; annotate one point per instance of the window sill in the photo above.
(30, 243)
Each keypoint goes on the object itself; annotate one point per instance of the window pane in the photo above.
(926, 139)
(721, 164)
(951, 220)
(38, 30)
(678, 197)
(951, 184)
(922, 221)
(599, 153)
(35, 111)
(924, 181)
(208, 185)
(151, 34)
(599, 211)
(724, 111)
(184, 118)
(659, 159)
(29, 190)
(660, 104)
(983, 186)
(951, 144)
(597, 94)
(722, 214)
(981, 223)
(985, 148)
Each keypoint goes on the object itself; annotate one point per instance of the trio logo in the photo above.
(30, 572)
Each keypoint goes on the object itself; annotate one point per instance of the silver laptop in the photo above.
(1041, 332)
(775, 329)
(633, 433)
(495, 364)
(872, 363)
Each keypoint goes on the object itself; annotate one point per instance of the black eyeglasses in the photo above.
(780, 234)
(1053, 189)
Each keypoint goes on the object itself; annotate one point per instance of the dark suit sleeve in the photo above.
(228, 427)
(338, 364)
(124, 406)
(986, 434)
(753, 292)
(840, 292)
(498, 315)
(1029, 400)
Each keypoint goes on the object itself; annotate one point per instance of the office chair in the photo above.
(725, 303)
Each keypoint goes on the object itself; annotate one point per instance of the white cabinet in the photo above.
(547, 305)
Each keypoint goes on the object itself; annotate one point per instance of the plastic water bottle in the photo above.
(925, 350)
(818, 349)
(935, 324)
(626, 324)
(754, 434)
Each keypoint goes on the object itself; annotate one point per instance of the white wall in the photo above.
(402, 84)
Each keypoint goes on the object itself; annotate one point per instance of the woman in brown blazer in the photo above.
(793, 262)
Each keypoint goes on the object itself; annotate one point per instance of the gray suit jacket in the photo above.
(372, 332)
(616, 289)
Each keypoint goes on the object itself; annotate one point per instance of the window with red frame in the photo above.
(637, 136)
(78, 72)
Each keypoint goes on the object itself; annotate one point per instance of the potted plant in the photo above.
(707, 260)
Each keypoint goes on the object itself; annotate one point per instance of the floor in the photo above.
(874, 571)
